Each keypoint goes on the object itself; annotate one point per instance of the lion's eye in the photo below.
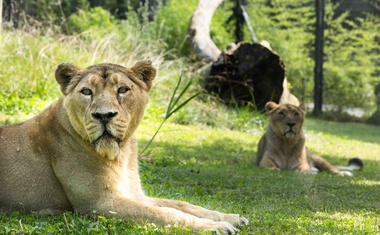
(123, 89)
(282, 114)
(86, 91)
(296, 114)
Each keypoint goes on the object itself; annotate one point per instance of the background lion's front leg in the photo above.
(267, 162)
(199, 211)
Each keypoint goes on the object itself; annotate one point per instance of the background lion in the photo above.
(80, 153)
(282, 147)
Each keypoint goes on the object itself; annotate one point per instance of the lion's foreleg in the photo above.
(145, 211)
(199, 211)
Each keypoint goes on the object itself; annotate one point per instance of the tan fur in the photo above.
(80, 153)
(282, 147)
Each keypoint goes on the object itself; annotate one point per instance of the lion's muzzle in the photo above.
(291, 132)
(108, 140)
(104, 117)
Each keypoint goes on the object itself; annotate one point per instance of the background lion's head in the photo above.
(285, 120)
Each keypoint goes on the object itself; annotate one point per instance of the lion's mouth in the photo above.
(290, 133)
(107, 145)
(106, 136)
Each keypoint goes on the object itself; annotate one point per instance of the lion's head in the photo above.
(285, 120)
(105, 102)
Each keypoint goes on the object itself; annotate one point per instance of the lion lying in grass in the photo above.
(282, 147)
(80, 153)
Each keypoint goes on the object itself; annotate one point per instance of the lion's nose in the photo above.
(291, 124)
(104, 117)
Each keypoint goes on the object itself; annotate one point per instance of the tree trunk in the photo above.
(199, 30)
(12, 12)
(318, 69)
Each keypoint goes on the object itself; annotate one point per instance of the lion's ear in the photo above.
(63, 75)
(302, 106)
(145, 71)
(270, 106)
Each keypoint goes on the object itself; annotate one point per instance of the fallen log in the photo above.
(247, 73)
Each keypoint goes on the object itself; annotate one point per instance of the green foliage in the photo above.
(351, 50)
(171, 23)
(351, 61)
(222, 33)
(53, 12)
(95, 19)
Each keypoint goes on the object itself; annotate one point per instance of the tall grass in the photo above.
(29, 59)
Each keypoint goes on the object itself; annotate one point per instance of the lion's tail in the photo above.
(353, 164)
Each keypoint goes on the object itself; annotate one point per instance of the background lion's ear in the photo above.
(63, 75)
(145, 71)
(303, 107)
(270, 106)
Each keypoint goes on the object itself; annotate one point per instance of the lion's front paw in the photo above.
(243, 221)
(235, 219)
(217, 227)
(223, 228)
(346, 173)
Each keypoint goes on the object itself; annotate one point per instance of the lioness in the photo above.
(282, 147)
(80, 153)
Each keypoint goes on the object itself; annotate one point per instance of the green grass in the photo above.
(215, 168)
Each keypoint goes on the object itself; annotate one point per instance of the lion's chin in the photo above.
(290, 135)
(108, 148)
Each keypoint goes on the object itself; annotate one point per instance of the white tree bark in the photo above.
(199, 30)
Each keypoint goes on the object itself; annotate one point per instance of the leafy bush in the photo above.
(53, 13)
(96, 19)
(350, 61)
